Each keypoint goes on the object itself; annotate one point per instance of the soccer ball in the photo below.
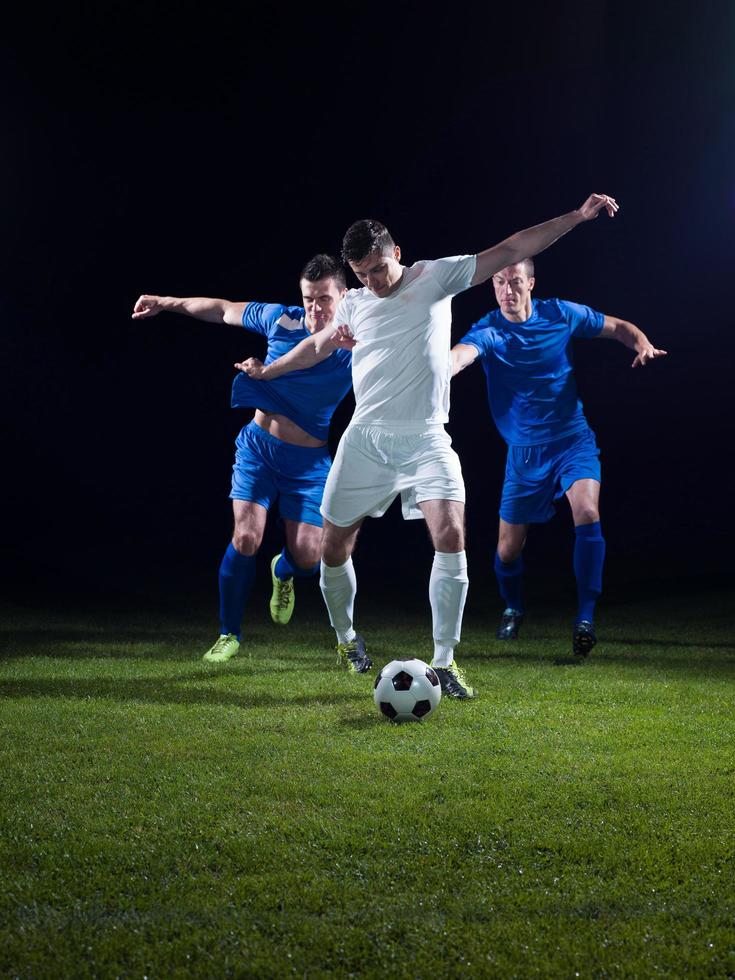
(407, 690)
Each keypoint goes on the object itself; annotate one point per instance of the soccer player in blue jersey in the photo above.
(526, 351)
(282, 454)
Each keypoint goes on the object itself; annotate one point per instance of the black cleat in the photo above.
(454, 683)
(509, 625)
(583, 638)
(353, 655)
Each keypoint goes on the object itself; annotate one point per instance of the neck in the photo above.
(522, 315)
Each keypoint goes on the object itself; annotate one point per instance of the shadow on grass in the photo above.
(659, 655)
(142, 645)
(702, 644)
(168, 691)
(364, 722)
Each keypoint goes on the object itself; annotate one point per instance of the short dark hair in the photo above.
(364, 237)
(530, 267)
(324, 267)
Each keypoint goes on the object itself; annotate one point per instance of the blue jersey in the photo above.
(307, 397)
(529, 369)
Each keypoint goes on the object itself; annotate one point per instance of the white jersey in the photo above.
(401, 366)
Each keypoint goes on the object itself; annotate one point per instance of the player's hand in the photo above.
(252, 367)
(147, 306)
(595, 203)
(342, 337)
(646, 354)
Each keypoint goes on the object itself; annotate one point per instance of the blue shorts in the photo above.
(536, 476)
(267, 469)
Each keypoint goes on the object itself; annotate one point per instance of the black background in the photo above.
(188, 149)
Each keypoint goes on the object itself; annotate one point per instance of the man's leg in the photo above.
(298, 559)
(236, 576)
(589, 558)
(509, 573)
(448, 586)
(339, 588)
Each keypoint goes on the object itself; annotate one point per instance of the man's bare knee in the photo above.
(246, 540)
(249, 523)
(338, 543)
(445, 524)
(449, 539)
(304, 543)
(509, 551)
(511, 540)
(586, 514)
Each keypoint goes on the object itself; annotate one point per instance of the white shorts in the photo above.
(373, 465)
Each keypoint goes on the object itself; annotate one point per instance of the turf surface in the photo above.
(166, 818)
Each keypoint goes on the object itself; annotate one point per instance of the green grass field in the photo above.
(162, 818)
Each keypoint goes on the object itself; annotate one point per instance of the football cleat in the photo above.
(509, 625)
(583, 638)
(353, 655)
(454, 683)
(283, 597)
(225, 647)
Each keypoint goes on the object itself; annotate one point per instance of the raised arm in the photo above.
(531, 241)
(629, 334)
(199, 307)
(462, 356)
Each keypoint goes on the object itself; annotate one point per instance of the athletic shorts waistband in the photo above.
(555, 443)
(400, 428)
(257, 432)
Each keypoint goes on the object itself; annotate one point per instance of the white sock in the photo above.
(339, 588)
(447, 593)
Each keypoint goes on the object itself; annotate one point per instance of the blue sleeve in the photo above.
(263, 318)
(584, 322)
(481, 335)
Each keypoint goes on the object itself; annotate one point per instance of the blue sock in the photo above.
(286, 567)
(589, 557)
(236, 576)
(510, 581)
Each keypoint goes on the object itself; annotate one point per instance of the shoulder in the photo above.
(454, 271)
(548, 308)
(347, 304)
(491, 320)
(583, 320)
(576, 312)
(482, 333)
(271, 316)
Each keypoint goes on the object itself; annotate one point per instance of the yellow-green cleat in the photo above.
(454, 683)
(283, 597)
(353, 656)
(225, 648)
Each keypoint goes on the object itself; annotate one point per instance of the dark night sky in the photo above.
(188, 150)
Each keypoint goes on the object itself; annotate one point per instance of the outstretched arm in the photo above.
(629, 334)
(300, 357)
(199, 307)
(531, 241)
(462, 356)
(309, 352)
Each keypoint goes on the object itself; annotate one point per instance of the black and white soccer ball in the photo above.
(407, 690)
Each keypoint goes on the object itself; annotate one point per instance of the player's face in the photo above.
(380, 272)
(513, 292)
(321, 299)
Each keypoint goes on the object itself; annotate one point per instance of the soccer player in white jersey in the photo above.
(398, 329)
